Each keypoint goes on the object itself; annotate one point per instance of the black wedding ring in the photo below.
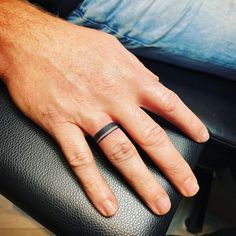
(106, 130)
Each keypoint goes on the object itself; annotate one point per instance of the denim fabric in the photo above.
(199, 34)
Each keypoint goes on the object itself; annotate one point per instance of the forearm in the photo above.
(22, 26)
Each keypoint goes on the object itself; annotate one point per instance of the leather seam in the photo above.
(223, 141)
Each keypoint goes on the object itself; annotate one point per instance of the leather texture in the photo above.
(35, 176)
(212, 98)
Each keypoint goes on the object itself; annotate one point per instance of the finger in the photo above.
(159, 99)
(79, 156)
(124, 156)
(155, 142)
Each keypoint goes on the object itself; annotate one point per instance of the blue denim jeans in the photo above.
(198, 34)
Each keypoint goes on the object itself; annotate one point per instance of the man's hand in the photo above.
(73, 81)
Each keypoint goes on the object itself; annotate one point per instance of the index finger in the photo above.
(161, 100)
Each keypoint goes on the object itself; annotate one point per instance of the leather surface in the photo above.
(35, 176)
(212, 98)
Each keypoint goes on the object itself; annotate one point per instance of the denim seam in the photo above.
(81, 13)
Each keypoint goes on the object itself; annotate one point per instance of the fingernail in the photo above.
(109, 208)
(191, 186)
(204, 136)
(163, 205)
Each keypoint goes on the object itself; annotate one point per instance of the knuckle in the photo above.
(170, 101)
(80, 160)
(143, 181)
(156, 78)
(112, 37)
(91, 185)
(123, 152)
(153, 135)
(51, 119)
(176, 168)
(51, 115)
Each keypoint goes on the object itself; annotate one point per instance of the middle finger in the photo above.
(155, 142)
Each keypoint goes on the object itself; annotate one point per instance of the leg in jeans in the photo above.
(198, 34)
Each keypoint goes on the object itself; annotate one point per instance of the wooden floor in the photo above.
(14, 222)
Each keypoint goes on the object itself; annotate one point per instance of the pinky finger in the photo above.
(80, 158)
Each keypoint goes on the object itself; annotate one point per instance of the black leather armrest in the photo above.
(35, 176)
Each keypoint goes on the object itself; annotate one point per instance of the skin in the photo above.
(72, 81)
